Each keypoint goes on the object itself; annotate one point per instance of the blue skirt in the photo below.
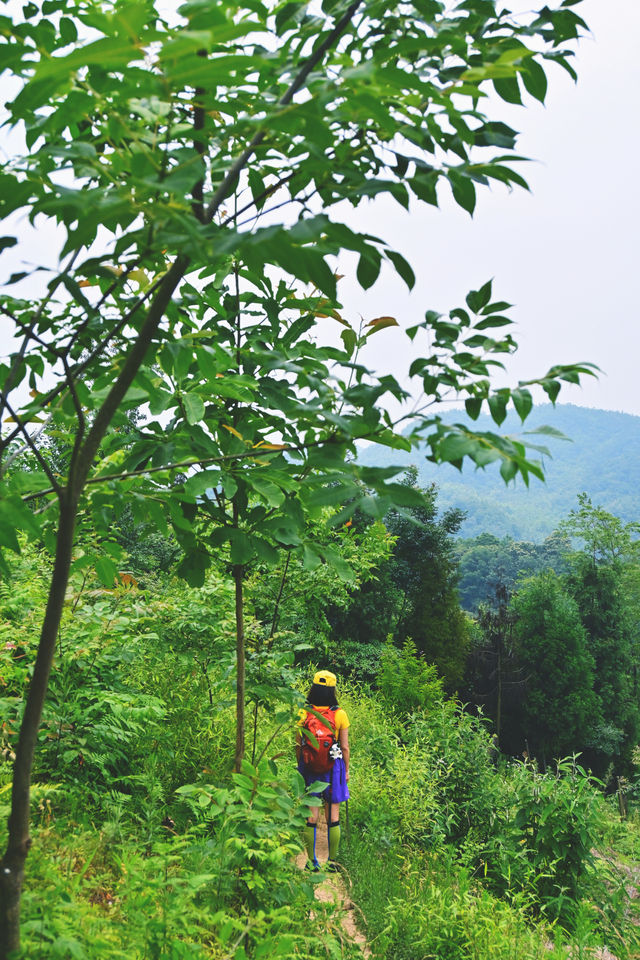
(337, 789)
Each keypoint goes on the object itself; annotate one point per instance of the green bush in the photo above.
(428, 906)
(544, 838)
(406, 681)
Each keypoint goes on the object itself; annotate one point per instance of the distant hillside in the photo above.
(603, 459)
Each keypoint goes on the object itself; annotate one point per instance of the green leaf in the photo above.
(350, 340)
(403, 268)
(106, 571)
(464, 191)
(490, 322)
(265, 551)
(508, 89)
(454, 447)
(8, 536)
(194, 566)
(110, 53)
(402, 495)
(193, 407)
(6, 242)
(477, 299)
(425, 187)
(368, 267)
(508, 470)
(473, 406)
(269, 491)
(535, 79)
(241, 547)
(202, 481)
(523, 402)
(229, 485)
(338, 563)
(311, 559)
(497, 407)
(287, 12)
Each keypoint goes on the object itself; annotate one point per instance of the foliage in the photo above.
(604, 581)
(494, 678)
(406, 682)
(469, 847)
(298, 597)
(152, 143)
(201, 309)
(604, 537)
(163, 852)
(424, 571)
(412, 595)
(558, 711)
(428, 903)
(128, 854)
(487, 562)
(548, 827)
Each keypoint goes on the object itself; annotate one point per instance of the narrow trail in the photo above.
(333, 890)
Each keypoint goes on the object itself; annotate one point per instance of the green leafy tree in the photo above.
(425, 572)
(174, 155)
(494, 677)
(596, 590)
(601, 580)
(411, 596)
(558, 710)
(605, 537)
(487, 561)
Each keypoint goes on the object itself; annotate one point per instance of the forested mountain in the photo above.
(599, 458)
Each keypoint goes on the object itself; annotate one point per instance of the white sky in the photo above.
(567, 253)
(564, 254)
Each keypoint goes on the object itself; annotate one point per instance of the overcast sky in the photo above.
(566, 254)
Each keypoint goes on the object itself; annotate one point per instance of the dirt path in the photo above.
(334, 890)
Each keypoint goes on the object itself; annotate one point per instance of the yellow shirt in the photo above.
(341, 719)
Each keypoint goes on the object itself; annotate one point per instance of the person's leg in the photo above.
(334, 830)
(310, 832)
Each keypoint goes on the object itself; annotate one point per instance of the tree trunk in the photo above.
(499, 696)
(19, 841)
(240, 666)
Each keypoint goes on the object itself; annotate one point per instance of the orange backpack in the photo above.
(317, 759)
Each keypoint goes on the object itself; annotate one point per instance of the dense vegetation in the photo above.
(147, 844)
(185, 527)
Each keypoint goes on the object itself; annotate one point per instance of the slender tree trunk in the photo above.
(238, 576)
(13, 861)
(499, 696)
(276, 609)
(255, 732)
(19, 841)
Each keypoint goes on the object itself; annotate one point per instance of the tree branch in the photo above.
(55, 486)
(79, 413)
(238, 166)
(131, 366)
(261, 196)
(77, 370)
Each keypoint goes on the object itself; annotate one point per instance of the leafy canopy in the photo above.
(197, 165)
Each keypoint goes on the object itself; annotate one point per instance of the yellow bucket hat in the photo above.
(325, 678)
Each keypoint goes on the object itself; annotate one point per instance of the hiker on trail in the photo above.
(324, 756)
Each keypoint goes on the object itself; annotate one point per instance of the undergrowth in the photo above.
(146, 846)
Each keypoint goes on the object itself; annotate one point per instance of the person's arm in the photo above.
(343, 737)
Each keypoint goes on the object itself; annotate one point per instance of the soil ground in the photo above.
(334, 889)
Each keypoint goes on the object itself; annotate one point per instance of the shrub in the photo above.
(544, 837)
(407, 683)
